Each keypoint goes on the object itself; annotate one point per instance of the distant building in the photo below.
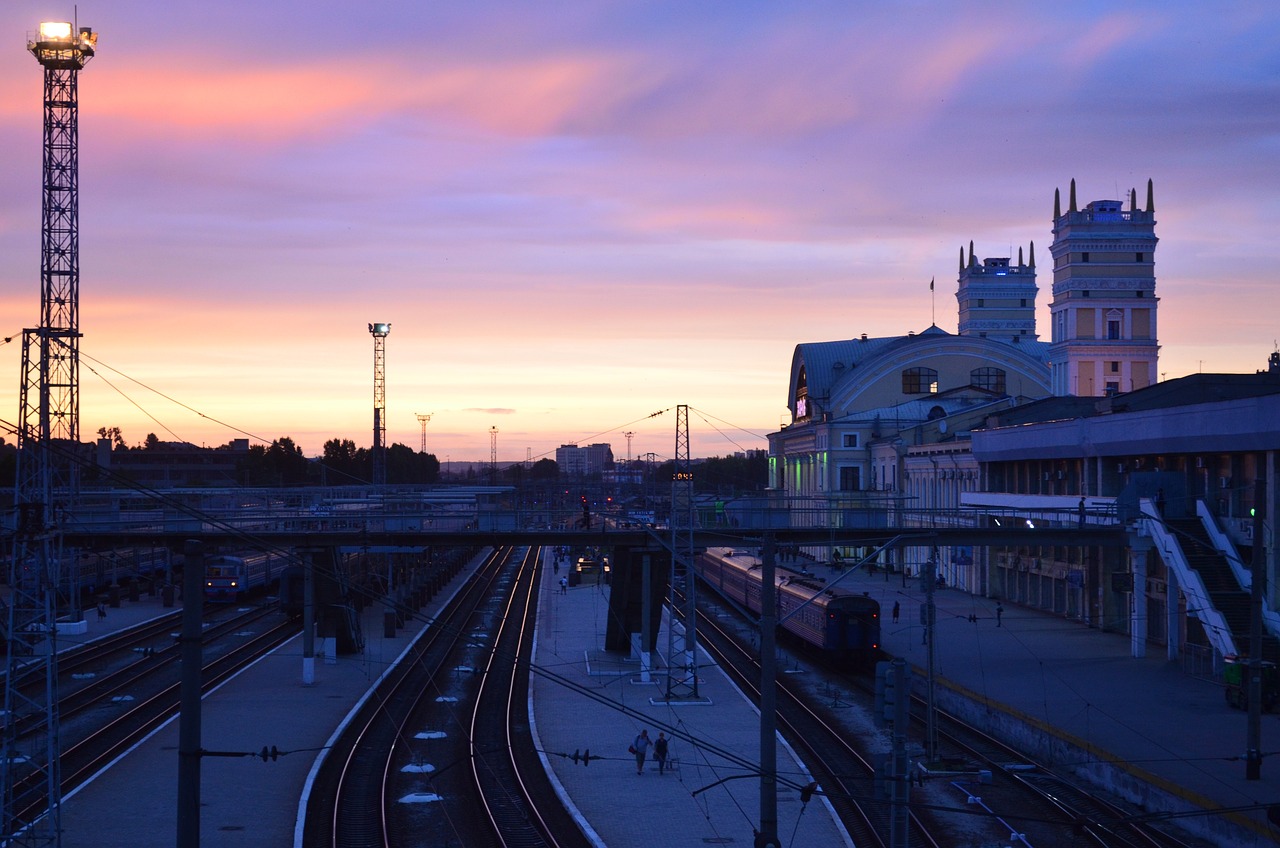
(574, 461)
(167, 465)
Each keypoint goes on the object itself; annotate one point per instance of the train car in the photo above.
(844, 625)
(227, 578)
(224, 579)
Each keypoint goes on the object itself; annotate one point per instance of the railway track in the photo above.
(440, 753)
(113, 711)
(846, 775)
(987, 790)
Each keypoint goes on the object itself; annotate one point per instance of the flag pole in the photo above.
(933, 311)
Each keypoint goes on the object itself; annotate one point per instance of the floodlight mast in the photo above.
(379, 331)
(48, 433)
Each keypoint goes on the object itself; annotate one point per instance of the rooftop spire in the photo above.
(1072, 207)
(1032, 263)
(962, 259)
(1057, 203)
(1151, 196)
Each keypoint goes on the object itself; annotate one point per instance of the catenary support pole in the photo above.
(189, 718)
(308, 617)
(1253, 755)
(768, 835)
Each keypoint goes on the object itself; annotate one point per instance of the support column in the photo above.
(1139, 550)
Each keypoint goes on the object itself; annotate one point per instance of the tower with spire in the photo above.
(1103, 313)
(997, 299)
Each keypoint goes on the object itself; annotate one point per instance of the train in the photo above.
(227, 578)
(843, 625)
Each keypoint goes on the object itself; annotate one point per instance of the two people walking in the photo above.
(640, 748)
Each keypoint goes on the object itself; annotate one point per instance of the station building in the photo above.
(845, 394)
(991, 424)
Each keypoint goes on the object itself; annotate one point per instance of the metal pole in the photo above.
(1253, 751)
(189, 718)
(931, 615)
(900, 789)
(308, 617)
(768, 836)
(646, 604)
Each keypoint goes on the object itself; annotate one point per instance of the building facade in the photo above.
(1103, 311)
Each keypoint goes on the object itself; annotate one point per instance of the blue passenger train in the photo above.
(227, 578)
(844, 625)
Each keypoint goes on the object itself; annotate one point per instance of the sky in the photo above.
(576, 215)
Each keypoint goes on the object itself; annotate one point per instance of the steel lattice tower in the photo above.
(423, 418)
(682, 526)
(48, 437)
(379, 333)
(493, 455)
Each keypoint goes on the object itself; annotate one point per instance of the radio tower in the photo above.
(423, 418)
(379, 333)
(48, 436)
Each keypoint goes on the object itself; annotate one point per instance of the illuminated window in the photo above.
(917, 381)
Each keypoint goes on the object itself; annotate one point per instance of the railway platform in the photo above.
(600, 705)
(1142, 727)
(246, 802)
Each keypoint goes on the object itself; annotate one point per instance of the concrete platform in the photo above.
(603, 707)
(1141, 727)
(245, 802)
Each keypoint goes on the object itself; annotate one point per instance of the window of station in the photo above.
(850, 478)
(1113, 328)
(850, 440)
(916, 381)
(992, 379)
(1084, 257)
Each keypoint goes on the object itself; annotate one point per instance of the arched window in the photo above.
(992, 379)
(919, 381)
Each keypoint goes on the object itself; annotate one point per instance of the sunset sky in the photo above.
(575, 215)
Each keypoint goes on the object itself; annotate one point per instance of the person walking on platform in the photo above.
(897, 609)
(564, 585)
(660, 752)
(999, 613)
(102, 611)
(640, 747)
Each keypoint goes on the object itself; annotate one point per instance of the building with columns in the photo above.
(1103, 311)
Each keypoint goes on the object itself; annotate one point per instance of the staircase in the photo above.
(1225, 593)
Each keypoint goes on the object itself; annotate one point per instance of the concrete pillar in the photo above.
(1140, 548)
